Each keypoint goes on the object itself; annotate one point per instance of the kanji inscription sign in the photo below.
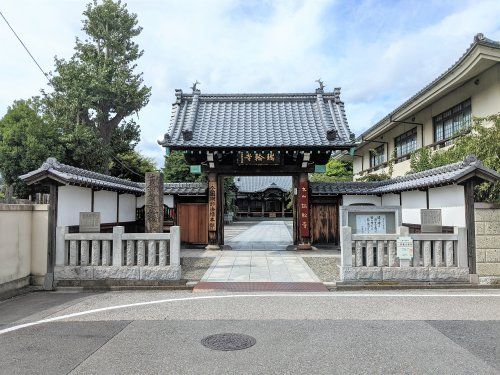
(212, 206)
(258, 158)
(304, 208)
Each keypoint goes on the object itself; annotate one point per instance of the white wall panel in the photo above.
(71, 201)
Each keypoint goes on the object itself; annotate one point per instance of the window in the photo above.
(406, 143)
(452, 121)
(377, 156)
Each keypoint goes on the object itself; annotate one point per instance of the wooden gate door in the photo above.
(193, 220)
(325, 223)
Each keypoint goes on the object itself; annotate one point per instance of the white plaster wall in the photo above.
(451, 200)
(412, 202)
(140, 201)
(127, 207)
(390, 200)
(168, 200)
(39, 237)
(105, 203)
(348, 200)
(23, 244)
(71, 201)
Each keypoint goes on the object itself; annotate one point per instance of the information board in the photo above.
(404, 247)
(370, 224)
(90, 222)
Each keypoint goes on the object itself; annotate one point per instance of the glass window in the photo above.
(451, 122)
(377, 156)
(406, 142)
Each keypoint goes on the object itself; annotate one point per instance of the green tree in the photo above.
(336, 170)
(132, 166)
(483, 141)
(177, 170)
(98, 87)
(27, 139)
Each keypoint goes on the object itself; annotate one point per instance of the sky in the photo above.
(379, 52)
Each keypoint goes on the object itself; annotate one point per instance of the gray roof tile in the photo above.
(444, 175)
(254, 184)
(257, 120)
(69, 175)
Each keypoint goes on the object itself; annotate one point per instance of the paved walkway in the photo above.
(259, 266)
(266, 235)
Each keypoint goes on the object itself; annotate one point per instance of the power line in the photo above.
(127, 168)
(26, 48)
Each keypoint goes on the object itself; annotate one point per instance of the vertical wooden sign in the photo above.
(304, 208)
(212, 206)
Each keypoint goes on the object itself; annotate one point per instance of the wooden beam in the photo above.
(51, 239)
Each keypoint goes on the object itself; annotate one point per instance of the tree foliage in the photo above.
(336, 170)
(27, 139)
(177, 170)
(97, 89)
(483, 141)
(132, 166)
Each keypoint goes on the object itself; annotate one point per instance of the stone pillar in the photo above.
(369, 253)
(346, 246)
(449, 253)
(94, 259)
(427, 253)
(380, 254)
(438, 253)
(359, 253)
(391, 249)
(153, 215)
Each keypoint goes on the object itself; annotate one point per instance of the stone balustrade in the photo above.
(118, 255)
(373, 257)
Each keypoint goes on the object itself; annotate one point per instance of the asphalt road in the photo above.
(409, 332)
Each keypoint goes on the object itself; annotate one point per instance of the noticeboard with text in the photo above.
(404, 247)
(258, 158)
(304, 208)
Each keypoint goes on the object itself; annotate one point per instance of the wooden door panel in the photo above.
(324, 223)
(193, 220)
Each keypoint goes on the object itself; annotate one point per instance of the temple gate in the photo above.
(258, 134)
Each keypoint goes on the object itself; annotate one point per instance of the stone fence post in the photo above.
(175, 246)
(61, 254)
(346, 246)
(462, 257)
(118, 246)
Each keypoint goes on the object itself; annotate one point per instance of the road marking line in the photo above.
(329, 295)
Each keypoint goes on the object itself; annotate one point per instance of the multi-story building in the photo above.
(435, 115)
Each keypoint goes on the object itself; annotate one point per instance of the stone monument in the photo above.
(153, 215)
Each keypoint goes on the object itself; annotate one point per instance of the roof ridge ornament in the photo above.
(194, 87)
(321, 85)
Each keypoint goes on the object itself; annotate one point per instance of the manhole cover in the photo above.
(228, 341)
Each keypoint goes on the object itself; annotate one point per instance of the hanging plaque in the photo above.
(304, 208)
(258, 158)
(212, 206)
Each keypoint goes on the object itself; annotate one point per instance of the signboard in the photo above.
(404, 248)
(319, 168)
(304, 208)
(258, 158)
(431, 220)
(212, 206)
(371, 224)
(195, 169)
(90, 222)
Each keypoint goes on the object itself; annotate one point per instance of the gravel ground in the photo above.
(326, 268)
(195, 268)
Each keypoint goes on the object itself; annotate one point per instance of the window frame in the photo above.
(451, 122)
(378, 157)
(404, 138)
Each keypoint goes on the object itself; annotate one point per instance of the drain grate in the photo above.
(228, 341)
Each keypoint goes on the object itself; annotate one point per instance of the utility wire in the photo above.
(26, 48)
(127, 168)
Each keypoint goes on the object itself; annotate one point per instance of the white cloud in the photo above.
(379, 54)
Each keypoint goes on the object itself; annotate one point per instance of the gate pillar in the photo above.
(304, 213)
(213, 209)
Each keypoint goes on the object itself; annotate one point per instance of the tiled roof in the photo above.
(185, 188)
(444, 175)
(254, 184)
(258, 120)
(68, 175)
(479, 39)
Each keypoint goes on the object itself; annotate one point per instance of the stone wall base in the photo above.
(117, 273)
(429, 274)
(489, 280)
